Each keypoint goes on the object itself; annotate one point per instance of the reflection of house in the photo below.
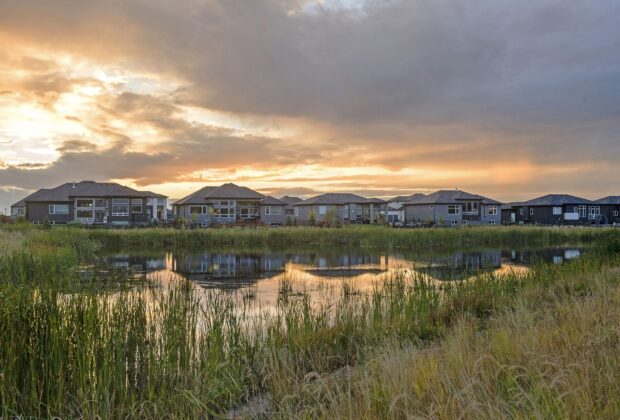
(228, 204)
(528, 257)
(452, 208)
(222, 265)
(340, 207)
(461, 265)
(91, 202)
(138, 264)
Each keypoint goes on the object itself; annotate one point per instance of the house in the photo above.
(558, 209)
(511, 213)
(229, 204)
(89, 202)
(19, 209)
(289, 211)
(610, 209)
(341, 207)
(452, 208)
(396, 209)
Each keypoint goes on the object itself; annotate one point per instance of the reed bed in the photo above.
(71, 347)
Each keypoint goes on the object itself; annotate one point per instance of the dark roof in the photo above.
(449, 197)
(234, 192)
(22, 202)
(612, 199)
(404, 198)
(556, 200)
(223, 192)
(272, 201)
(290, 200)
(512, 205)
(197, 197)
(152, 194)
(338, 199)
(69, 190)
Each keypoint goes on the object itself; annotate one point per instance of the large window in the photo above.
(595, 211)
(85, 214)
(470, 208)
(84, 203)
(557, 211)
(120, 207)
(454, 209)
(136, 205)
(492, 210)
(273, 211)
(224, 209)
(583, 211)
(59, 209)
(197, 209)
(322, 210)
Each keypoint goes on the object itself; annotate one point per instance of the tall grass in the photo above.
(71, 347)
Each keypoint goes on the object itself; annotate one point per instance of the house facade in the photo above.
(229, 204)
(558, 209)
(396, 208)
(340, 207)
(610, 209)
(90, 203)
(452, 208)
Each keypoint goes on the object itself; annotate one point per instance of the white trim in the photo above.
(492, 210)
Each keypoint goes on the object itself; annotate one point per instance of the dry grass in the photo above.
(551, 354)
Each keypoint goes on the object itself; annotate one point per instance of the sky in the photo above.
(378, 97)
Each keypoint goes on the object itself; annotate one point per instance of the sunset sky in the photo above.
(509, 99)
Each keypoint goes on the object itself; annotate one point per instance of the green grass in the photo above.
(72, 347)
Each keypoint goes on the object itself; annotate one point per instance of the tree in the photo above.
(312, 218)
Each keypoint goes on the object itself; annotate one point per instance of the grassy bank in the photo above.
(515, 345)
(353, 236)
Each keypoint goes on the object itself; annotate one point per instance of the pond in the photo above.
(261, 278)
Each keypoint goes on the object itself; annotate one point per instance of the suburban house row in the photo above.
(111, 204)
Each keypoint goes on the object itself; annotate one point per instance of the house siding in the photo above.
(272, 219)
(38, 212)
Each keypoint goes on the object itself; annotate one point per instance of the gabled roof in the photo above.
(449, 197)
(197, 197)
(611, 200)
(69, 190)
(404, 198)
(22, 202)
(223, 192)
(512, 205)
(233, 191)
(152, 194)
(272, 201)
(290, 200)
(338, 199)
(556, 200)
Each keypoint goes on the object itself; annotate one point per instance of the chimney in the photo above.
(73, 184)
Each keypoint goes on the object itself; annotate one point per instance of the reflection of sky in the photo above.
(322, 277)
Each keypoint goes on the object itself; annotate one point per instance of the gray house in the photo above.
(290, 208)
(558, 209)
(229, 204)
(396, 208)
(344, 207)
(89, 202)
(610, 209)
(452, 208)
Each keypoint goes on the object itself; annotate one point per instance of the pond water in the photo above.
(262, 277)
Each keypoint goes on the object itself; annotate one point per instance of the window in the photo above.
(296, 211)
(491, 222)
(85, 214)
(454, 209)
(531, 211)
(224, 209)
(136, 205)
(120, 207)
(19, 211)
(322, 210)
(464, 222)
(557, 211)
(59, 209)
(582, 211)
(454, 222)
(595, 212)
(521, 211)
(492, 210)
(470, 208)
(273, 210)
(197, 209)
(616, 213)
(84, 203)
